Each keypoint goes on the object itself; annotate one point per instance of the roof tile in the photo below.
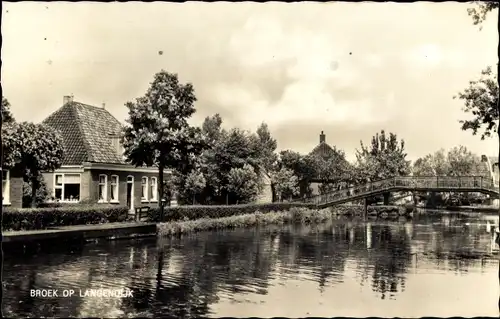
(86, 131)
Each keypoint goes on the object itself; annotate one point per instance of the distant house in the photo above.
(322, 150)
(94, 169)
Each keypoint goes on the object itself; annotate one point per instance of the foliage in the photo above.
(484, 7)
(35, 148)
(10, 147)
(212, 128)
(266, 147)
(157, 132)
(244, 183)
(195, 183)
(463, 162)
(337, 170)
(481, 99)
(306, 168)
(385, 158)
(194, 212)
(432, 165)
(41, 192)
(232, 162)
(7, 116)
(459, 161)
(42, 218)
(188, 219)
(286, 184)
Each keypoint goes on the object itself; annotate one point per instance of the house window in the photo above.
(114, 188)
(6, 187)
(154, 189)
(103, 187)
(144, 192)
(67, 187)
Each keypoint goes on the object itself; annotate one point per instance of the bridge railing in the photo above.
(352, 191)
(458, 182)
(411, 182)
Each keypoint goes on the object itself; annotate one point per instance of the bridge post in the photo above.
(366, 206)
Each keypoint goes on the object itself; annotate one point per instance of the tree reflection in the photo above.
(182, 278)
(391, 260)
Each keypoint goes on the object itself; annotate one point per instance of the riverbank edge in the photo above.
(295, 215)
(136, 230)
(471, 209)
(110, 231)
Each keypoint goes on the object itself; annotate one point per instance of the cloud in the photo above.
(348, 69)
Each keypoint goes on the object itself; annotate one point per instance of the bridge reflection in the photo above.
(184, 277)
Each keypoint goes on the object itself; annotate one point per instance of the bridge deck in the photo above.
(410, 183)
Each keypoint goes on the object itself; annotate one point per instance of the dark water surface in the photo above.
(430, 265)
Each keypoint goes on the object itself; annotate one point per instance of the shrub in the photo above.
(198, 212)
(42, 218)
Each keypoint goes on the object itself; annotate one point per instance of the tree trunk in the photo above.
(34, 186)
(386, 198)
(194, 199)
(161, 190)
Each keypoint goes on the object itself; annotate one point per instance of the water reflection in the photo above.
(349, 267)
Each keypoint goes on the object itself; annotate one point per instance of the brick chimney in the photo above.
(322, 137)
(67, 99)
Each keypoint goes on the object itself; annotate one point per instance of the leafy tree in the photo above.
(233, 150)
(385, 158)
(157, 132)
(212, 128)
(37, 148)
(436, 164)
(306, 168)
(336, 169)
(423, 166)
(7, 116)
(480, 100)
(266, 147)
(243, 183)
(462, 162)
(285, 183)
(195, 183)
(11, 153)
(483, 8)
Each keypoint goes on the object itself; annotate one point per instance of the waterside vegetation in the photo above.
(294, 215)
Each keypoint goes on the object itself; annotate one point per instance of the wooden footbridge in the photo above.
(407, 184)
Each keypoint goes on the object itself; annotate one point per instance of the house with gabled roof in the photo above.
(94, 169)
(324, 151)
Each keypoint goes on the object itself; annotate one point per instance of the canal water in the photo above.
(434, 264)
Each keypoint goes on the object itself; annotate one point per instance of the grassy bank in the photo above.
(295, 215)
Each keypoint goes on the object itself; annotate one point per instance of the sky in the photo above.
(348, 69)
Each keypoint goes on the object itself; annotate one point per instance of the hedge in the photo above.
(196, 211)
(43, 218)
